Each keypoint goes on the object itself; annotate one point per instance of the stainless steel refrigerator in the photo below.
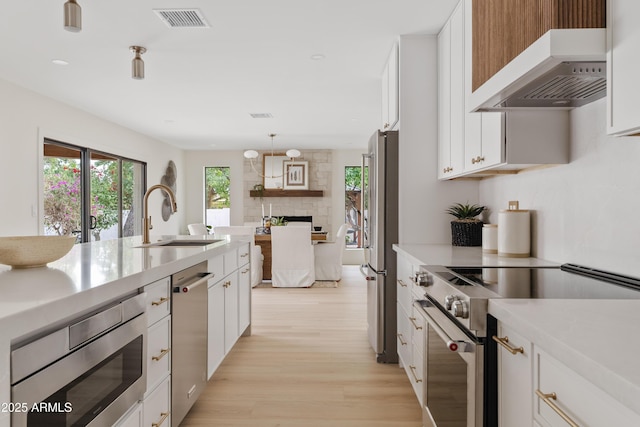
(380, 231)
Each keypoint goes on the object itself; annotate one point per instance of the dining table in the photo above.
(264, 241)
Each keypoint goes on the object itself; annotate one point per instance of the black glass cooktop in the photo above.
(567, 282)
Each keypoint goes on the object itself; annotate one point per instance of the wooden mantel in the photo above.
(286, 193)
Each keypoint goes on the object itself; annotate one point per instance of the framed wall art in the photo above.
(296, 175)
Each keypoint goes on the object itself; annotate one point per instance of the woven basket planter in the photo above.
(466, 233)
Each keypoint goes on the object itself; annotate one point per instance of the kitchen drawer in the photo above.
(216, 266)
(514, 378)
(583, 402)
(403, 336)
(416, 374)
(158, 300)
(158, 353)
(417, 326)
(243, 255)
(230, 261)
(157, 407)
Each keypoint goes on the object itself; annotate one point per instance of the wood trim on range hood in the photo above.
(552, 49)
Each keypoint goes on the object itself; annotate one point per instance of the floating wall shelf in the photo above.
(286, 193)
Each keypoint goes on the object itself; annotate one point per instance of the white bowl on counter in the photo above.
(33, 251)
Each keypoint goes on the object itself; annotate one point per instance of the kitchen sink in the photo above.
(180, 243)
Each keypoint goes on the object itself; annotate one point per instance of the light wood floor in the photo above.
(307, 363)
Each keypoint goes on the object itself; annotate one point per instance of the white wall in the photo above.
(194, 178)
(26, 118)
(422, 198)
(585, 212)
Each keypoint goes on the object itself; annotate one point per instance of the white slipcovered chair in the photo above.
(328, 256)
(197, 229)
(291, 257)
(256, 251)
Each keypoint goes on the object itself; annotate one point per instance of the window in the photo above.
(352, 204)
(94, 195)
(217, 205)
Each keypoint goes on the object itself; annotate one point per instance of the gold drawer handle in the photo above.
(160, 302)
(244, 255)
(227, 284)
(163, 353)
(413, 371)
(415, 325)
(400, 338)
(505, 343)
(165, 415)
(401, 283)
(245, 271)
(548, 398)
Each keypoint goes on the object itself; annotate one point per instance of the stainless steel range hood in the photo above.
(563, 69)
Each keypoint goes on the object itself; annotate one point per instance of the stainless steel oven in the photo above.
(453, 371)
(461, 356)
(88, 373)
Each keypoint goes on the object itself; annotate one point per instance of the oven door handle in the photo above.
(459, 346)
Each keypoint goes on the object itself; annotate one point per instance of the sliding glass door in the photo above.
(94, 195)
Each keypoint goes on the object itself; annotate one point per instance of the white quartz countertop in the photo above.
(597, 339)
(463, 256)
(91, 274)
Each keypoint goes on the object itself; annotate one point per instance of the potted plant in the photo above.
(466, 229)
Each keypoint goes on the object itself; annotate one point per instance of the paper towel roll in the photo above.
(514, 237)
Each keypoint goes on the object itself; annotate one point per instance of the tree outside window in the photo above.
(217, 200)
(352, 204)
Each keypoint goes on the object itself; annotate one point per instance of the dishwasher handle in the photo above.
(203, 278)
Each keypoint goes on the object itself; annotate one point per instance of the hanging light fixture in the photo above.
(253, 154)
(137, 64)
(72, 16)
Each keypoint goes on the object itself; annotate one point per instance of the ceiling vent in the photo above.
(261, 115)
(182, 18)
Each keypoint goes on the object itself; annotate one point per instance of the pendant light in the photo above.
(137, 64)
(253, 154)
(72, 16)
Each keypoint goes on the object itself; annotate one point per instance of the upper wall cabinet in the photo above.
(623, 85)
(390, 91)
(481, 144)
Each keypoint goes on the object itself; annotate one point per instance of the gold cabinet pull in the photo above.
(401, 283)
(413, 371)
(227, 284)
(165, 415)
(415, 325)
(163, 353)
(160, 301)
(244, 255)
(505, 343)
(245, 271)
(549, 398)
(400, 338)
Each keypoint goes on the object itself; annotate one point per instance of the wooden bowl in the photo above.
(33, 251)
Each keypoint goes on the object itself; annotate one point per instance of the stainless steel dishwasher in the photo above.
(189, 338)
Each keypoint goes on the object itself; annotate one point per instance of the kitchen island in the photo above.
(91, 275)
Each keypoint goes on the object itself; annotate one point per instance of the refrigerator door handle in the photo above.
(366, 274)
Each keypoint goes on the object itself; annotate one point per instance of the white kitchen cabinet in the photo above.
(158, 352)
(450, 143)
(244, 298)
(418, 328)
(514, 378)
(480, 144)
(390, 91)
(623, 86)
(158, 300)
(215, 330)
(157, 406)
(231, 296)
(575, 397)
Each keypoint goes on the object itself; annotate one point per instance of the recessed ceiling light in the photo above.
(261, 115)
(317, 57)
(169, 121)
(59, 62)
